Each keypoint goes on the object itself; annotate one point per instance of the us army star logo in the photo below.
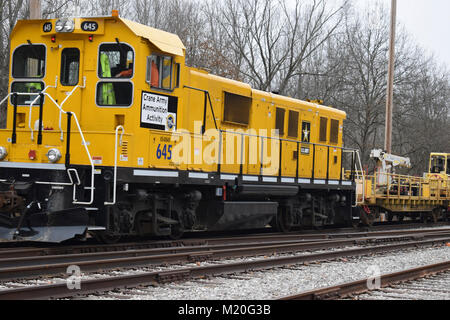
(306, 134)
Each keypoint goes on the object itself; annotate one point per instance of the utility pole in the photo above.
(35, 9)
(390, 86)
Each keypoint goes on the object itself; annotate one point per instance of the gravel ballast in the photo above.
(280, 282)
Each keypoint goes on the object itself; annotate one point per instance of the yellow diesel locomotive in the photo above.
(110, 134)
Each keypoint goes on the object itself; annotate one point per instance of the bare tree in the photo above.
(10, 12)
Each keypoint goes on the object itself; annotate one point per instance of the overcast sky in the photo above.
(428, 21)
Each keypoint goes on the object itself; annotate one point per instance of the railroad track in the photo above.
(32, 248)
(61, 289)
(39, 250)
(434, 287)
(352, 289)
(19, 265)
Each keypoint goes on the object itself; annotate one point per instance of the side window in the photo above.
(323, 129)
(293, 124)
(116, 62)
(334, 131)
(29, 61)
(70, 64)
(237, 109)
(159, 71)
(279, 121)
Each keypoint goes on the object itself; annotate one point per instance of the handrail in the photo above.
(34, 101)
(86, 149)
(435, 187)
(43, 93)
(64, 101)
(115, 166)
(363, 178)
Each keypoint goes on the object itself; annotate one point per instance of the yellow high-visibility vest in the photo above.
(33, 85)
(108, 96)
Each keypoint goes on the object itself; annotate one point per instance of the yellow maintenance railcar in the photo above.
(394, 195)
(110, 133)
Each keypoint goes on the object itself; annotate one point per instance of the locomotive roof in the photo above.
(165, 41)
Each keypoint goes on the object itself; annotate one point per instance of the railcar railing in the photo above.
(389, 186)
(303, 149)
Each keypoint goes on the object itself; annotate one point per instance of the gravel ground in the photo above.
(261, 285)
(433, 288)
(279, 282)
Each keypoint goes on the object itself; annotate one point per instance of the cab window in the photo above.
(33, 88)
(437, 164)
(116, 63)
(116, 60)
(116, 94)
(29, 61)
(159, 71)
(70, 64)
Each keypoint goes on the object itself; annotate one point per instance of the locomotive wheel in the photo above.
(284, 223)
(177, 230)
(367, 216)
(390, 216)
(436, 215)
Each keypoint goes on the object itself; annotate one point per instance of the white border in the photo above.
(227, 177)
(197, 175)
(25, 165)
(153, 173)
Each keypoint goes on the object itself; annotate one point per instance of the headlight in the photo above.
(3, 153)
(54, 155)
(64, 25)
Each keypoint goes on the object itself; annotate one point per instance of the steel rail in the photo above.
(14, 265)
(23, 268)
(361, 286)
(61, 290)
(60, 250)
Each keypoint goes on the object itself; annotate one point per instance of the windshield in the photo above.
(437, 164)
(29, 61)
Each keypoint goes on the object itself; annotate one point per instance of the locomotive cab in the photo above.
(75, 85)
